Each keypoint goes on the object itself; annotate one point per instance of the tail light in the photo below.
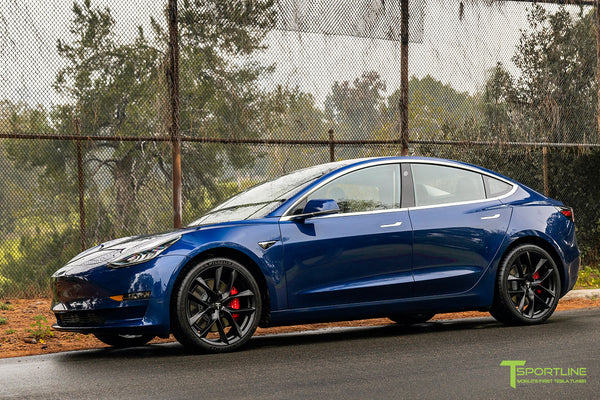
(567, 212)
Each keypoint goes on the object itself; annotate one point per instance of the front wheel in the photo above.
(122, 341)
(527, 287)
(216, 307)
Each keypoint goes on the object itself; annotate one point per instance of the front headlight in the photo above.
(143, 253)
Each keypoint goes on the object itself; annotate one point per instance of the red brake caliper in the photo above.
(235, 303)
(536, 276)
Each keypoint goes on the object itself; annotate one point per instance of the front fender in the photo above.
(242, 238)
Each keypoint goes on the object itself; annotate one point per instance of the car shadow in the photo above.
(324, 335)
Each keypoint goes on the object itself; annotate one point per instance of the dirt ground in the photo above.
(17, 322)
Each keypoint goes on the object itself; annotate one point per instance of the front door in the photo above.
(361, 254)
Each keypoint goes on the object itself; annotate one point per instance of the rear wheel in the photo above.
(409, 319)
(527, 287)
(217, 306)
(121, 341)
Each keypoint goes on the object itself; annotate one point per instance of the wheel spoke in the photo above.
(522, 266)
(231, 281)
(234, 325)
(515, 278)
(550, 292)
(216, 284)
(531, 307)
(249, 310)
(245, 293)
(539, 265)
(197, 316)
(195, 298)
(221, 330)
(529, 263)
(543, 278)
(205, 287)
(522, 302)
(540, 300)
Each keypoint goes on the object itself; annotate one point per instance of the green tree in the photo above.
(356, 108)
(290, 113)
(432, 106)
(114, 90)
(219, 94)
(552, 99)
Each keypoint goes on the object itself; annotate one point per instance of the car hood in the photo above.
(112, 250)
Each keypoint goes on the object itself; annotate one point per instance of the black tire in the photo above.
(410, 319)
(122, 341)
(527, 287)
(216, 307)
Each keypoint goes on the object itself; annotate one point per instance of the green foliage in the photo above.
(36, 256)
(38, 328)
(10, 331)
(5, 307)
(3, 321)
(589, 278)
(356, 108)
(553, 99)
(291, 113)
(433, 106)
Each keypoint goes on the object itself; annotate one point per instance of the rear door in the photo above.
(458, 227)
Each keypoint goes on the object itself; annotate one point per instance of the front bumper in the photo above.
(82, 298)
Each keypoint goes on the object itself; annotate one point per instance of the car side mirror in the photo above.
(317, 207)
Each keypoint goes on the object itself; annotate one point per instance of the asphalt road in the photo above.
(438, 360)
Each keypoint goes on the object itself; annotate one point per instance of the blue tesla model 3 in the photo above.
(398, 237)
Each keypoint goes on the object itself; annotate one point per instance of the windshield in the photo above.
(260, 200)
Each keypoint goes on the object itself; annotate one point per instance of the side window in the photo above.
(368, 189)
(495, 187)
(438, 184)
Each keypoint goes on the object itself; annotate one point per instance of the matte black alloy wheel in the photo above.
(121, 341)
(217, 306)
(527, 288)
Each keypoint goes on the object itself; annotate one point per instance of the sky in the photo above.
(457, 50)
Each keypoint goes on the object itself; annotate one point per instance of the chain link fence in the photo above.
(267, 87)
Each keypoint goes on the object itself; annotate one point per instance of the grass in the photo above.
(38, 330)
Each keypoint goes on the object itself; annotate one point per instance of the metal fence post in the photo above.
(173, 84)
(597, 22)
(545, 170)
(80, 177)
(331, 146)
(404, 77)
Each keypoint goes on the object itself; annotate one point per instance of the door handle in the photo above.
(391, 225)
(492, 216)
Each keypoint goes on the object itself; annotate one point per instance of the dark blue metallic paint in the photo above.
(344, 259)
(455, 245)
